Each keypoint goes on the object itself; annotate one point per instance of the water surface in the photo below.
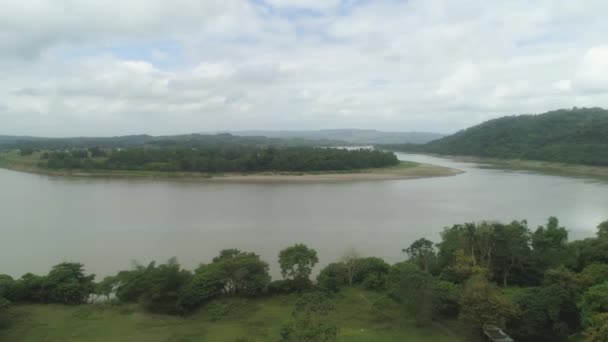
(108, 223)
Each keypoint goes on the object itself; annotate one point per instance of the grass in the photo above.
(231, 319)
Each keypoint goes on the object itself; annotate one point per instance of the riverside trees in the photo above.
(534, 284)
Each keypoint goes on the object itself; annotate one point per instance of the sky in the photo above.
(105, 68)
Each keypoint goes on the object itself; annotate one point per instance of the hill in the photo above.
(351, 136)
(185, 140)
(575, 136)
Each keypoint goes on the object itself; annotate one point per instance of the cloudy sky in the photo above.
(80, 67)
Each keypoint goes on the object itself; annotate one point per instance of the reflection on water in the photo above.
(107, 223)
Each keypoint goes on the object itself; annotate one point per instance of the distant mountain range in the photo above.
(577, 136)
(351, 136)
(186, 140)
(251, 138)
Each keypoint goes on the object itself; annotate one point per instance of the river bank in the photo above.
(536, 165)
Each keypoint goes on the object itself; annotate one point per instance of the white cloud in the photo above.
(592, 74)
(467, 76)
(151, 66)
(304, 4)
(563, 85)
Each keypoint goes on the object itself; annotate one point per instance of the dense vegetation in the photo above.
(187, 140)
(218, 159)
(534, 284)
(577, 136)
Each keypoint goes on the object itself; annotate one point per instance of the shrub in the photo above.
(332, 277)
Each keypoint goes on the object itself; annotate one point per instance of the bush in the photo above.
(332, 277)
(232, 272)
(370, 267)
(287, 286)
(157, 288)
(28, 288)
(446, 299)
(375, 282)
(7, 285)
(66, 283)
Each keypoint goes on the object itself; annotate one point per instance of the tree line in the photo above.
(224, 159)
(533, 283)
(576, 136)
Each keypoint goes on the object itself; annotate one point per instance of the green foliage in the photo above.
(549, 312)
(26, 151)
(66, 283)
(107, 286)
(286, 286)
(372, 269)
(549, 244)
(593, 302)
(480, 304)
(421, 251)
(592, 275)
(598, 329)
(461, 268)
(232, 272)
(29, 288)
(371, 272)
(446, 297)
(7, 284)
(157, 288)
(297, 261)
(578, 136)
(511, 244)
(308, 319)
(210, 159)
(332, 277)
(414, 289)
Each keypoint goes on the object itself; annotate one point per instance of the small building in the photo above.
(493, 333)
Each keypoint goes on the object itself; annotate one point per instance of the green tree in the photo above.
(309, 319)
(480, 304)
(592, 275)
(598, 330)
(511, 249)
(297, 261)
(414, 289)
(107, 286)
(67, 283)
(332, 277)
(350, 261)
(242, 272)
(462, 268)
(371, 273)
(547, 313)
(7, 284)
(421, 251)
(593, 302)
(549, 245)
(163, 286)
(602, 230)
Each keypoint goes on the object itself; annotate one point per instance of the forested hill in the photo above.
(186, 140)
(351, 136)
(578, 136)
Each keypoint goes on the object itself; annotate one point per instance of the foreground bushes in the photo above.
(564, 285)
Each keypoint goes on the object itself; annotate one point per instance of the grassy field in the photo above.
(232, 319)
(404, 170)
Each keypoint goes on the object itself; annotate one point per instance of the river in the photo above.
(107, 224)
